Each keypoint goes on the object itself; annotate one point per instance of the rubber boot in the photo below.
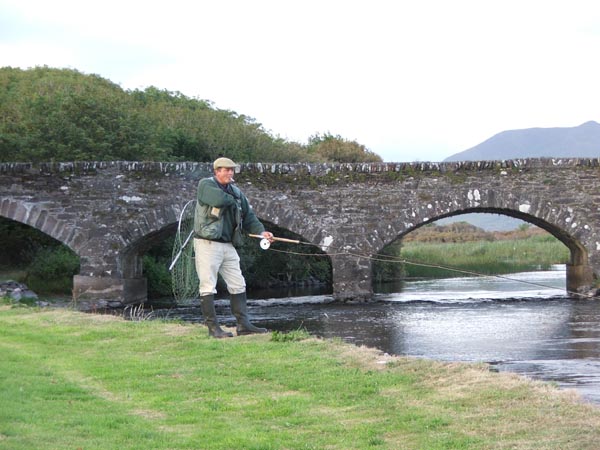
(207, 303)
(240, 311)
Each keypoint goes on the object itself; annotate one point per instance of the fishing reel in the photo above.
(266, 243)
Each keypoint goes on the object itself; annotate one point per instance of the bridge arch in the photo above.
(142, 233)
(121, 252)
(578, 270)
(42, 217)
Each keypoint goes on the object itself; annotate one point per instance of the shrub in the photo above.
(158, 276)
(52, 270)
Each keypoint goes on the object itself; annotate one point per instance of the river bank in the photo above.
(74, 380)
(523, 323)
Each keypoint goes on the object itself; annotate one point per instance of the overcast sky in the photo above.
(410, 80)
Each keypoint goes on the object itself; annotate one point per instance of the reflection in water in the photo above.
(531, 329)
(476, 331)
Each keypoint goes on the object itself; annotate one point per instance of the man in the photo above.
(222, 212)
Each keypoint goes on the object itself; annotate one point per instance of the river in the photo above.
(521, 323)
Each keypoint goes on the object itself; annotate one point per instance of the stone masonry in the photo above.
(109, 213)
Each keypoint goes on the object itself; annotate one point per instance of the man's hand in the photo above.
(267, 235)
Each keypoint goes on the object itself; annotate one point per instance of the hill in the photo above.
(464, 231)
(582, 141)
(51, 114)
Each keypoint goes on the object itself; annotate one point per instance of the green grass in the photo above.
(70, 380)
(483, 257)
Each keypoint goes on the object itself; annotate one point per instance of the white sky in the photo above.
(415, 80)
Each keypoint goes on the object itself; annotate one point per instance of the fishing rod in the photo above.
(266, 243)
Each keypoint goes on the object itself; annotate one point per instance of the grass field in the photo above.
(483, 257)
(70, 380)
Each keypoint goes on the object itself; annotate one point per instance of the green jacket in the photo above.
(222, 214)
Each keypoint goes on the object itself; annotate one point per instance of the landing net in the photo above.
(184, 279)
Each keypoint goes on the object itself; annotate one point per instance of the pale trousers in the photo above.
(213, 258)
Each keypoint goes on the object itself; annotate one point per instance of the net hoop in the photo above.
(184, 279)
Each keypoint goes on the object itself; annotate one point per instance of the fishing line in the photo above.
(393, 259)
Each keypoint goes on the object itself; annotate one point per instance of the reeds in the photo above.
(483, 257)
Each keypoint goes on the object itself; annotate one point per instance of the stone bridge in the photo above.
(110, 213)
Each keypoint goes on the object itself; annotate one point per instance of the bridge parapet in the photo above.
(315, 169)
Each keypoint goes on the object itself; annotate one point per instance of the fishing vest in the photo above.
(209, 221)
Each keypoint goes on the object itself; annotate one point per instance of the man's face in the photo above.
(224, 175)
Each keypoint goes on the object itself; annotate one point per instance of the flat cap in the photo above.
(224, 162)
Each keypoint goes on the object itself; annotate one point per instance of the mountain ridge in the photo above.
(581, 141)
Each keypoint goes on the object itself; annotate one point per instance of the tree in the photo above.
(51, 114)
(338, 149)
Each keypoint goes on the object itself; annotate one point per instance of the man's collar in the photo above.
(225, 187)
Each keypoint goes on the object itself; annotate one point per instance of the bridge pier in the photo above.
(106, 292)
(351, 279)
(580, 277)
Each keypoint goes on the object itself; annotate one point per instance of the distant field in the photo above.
(485, 257)
(435, 250)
